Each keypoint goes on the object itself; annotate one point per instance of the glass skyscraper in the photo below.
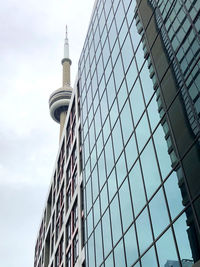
(139, 87)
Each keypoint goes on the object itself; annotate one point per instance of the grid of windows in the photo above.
(140, 160)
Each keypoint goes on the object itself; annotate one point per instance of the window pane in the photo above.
(115, 220)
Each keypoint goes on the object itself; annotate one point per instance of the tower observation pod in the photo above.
(60, 99)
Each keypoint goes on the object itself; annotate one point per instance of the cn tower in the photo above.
(60, 99)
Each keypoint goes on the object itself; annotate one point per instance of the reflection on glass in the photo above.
(144, 237)
(147, 84)
(137, 189)
(137, 103)
(182, 232)
(115, 220)
(162, 151)
(150, 169)
(125, 203)
(119, 255)
(127, 52)
(142, 132)
(173, 193)
(131, 246)
(158, 211)
(166, 241)
(149, 258)
(153, 113)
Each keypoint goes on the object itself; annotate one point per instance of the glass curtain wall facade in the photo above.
(139, 101)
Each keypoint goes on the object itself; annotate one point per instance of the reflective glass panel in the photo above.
(115, 220)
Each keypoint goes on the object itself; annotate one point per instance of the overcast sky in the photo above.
(32, 36)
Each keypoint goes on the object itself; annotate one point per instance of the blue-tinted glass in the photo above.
(100, 68)
(106, 130)
(109, 260)
(112, 34)
(111, 91)
(121, 169)
(131, 152)
(149, 258)
(117, 140)
(95, 183)
(98, 245)
(115, 220)
(99, 145)
(146, 83)
(123, 32)
(134, 35)
(106, 233)
(115, 52)
(96, 211)
(101, 22)
(137, 189)
(97, 119)
(137, 103)
(164, 255)
(126, 121)
(106, 52)
(131, 11)
(104, 198)
(125, 203)
(104, 107)
(150, 169)
(102, 173)
(119, 255)
(142, 132)
(140, 56)
(113, 114)
(158, 211)
(174, 196)
(107, 6)
(182, 233)
(144, 237)
(131, 246)
(122, 95)
(109, 156)
(90, 251)
(112, 185)
(108, 70)
(110, 19)
(88, 195)
(118, 72)
(162, 151)
(101, 88)
(90, 222)
(153, 113)
(115, 4)
(93, 158)
(127, 52)
(131, 75)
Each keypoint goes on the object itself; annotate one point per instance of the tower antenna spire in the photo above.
(66, 45)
